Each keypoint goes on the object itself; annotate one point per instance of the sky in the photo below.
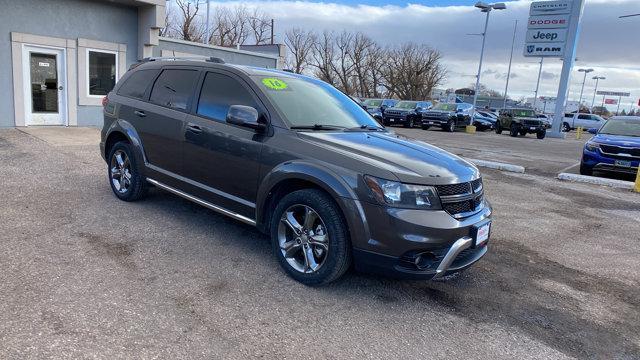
(607, 43)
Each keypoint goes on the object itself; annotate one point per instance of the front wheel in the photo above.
(498, 128)
(585, 170)
(408, 123)
(541, 134)
(450, 126)
(309, 237)
(513, 131)
(566, 127)
(124, 173)
(425, 127)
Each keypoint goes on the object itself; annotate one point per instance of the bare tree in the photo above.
(189, 28)
(341, 65)
(323, 57)
(230, 26)
(301, 45)
(412, 71)
(260, 27)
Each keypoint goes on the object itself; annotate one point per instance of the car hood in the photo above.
(617, 140)
(397, 109)
(436, 111)
(408, 160)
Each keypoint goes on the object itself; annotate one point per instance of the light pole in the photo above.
(595, 90)
(585, 71)
(535, 99)
(485, 8)
(207, 34)
(506, 87)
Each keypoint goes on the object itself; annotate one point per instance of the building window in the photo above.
(102, 67)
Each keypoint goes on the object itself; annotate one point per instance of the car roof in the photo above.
(248, 70)
(625, 117)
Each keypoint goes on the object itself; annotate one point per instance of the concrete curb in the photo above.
(498, 165)
(620, 184)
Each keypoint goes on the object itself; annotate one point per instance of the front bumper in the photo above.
(599, 162)
(418, 244)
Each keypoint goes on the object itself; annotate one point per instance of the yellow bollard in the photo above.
(637, 186)
(470, 129)
(579, 133)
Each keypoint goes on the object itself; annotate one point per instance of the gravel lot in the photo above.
(85, 275)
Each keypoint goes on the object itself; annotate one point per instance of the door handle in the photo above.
(140, 113)
(194, 128)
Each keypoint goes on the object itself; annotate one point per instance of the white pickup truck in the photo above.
(586, 121)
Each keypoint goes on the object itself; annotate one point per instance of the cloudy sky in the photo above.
(608, 44)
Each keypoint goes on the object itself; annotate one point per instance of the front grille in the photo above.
(462, 199)
(616, 150)
(393, 112)
(532, 122)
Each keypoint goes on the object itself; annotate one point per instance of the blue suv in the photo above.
(614, 148)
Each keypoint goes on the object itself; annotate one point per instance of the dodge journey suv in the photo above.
(299, 160)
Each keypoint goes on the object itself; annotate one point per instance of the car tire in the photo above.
(523, 132)
(450, 126)
(124, 173)
(566, 127)
(498, 128)
(409, 122)
(332, 259)
(513, 131)
(541, 134)
(585, 170)
(425, 127)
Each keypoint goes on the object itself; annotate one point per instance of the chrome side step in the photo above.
(204, 203)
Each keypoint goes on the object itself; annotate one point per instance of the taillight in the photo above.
(105, 101)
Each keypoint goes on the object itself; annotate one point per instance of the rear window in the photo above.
(174, 88)
(136, 85)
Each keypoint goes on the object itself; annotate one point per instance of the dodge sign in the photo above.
(548, 22)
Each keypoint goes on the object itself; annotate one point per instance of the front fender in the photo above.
(323, 177)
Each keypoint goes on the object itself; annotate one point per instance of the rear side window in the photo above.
(219, 92)
(136, 85)
(173, 88)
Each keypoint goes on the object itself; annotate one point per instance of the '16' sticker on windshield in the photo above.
(274, 84)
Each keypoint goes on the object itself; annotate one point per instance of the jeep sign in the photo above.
(546, 35)
(544, 49)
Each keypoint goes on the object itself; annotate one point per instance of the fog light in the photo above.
(424, 260)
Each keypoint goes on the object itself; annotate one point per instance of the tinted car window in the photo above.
(136, 85)
(218, 93)
(173, 88)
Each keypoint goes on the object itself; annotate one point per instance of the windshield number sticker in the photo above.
(274, 84)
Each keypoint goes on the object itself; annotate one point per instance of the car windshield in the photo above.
(523, 113)
(622, 127)
(446, 107)
(373, 102)
(306, 102)
(406, 105)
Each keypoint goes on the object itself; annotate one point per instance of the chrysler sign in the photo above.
(550, 7)
(546, 35)
(544, 49)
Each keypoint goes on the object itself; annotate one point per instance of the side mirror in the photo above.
(593, 131)
(245, 116)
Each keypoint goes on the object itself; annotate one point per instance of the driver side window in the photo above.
(218, 93)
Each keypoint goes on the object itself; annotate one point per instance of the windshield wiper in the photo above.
(367, 127)
(317, 127)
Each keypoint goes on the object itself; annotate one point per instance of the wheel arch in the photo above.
(122, 130)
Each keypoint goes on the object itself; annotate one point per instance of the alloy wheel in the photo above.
(303, 238)
(120, 171)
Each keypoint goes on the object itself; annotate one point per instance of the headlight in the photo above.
(591, 146)
(401, 195)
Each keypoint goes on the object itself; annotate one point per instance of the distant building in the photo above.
(547, 105)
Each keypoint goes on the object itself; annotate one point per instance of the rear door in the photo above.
(160, 122)
(222, 160)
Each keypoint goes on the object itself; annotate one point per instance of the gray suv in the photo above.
(299, 160)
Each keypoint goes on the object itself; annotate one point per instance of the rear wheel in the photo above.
(513, 131)
(125, 176)
(498, 128)
(310, 238)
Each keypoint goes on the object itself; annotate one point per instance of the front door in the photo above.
(45, 90)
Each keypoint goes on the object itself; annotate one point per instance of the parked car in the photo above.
(522, 122)
(573, 121)
(299, 160)
(407, 113)
(482, 121)
(376, 107)
(614, 148)
(546, 119)
(447, 116)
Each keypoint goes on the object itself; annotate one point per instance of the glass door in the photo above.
(46, 91)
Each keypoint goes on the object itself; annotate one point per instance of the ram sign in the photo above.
(544, 49)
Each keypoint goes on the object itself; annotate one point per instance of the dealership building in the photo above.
(59, 58)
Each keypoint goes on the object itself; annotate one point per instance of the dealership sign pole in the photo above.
(552, 31)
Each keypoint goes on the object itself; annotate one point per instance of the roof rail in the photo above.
(211, 59)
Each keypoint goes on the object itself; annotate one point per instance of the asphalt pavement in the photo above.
(84, 275)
